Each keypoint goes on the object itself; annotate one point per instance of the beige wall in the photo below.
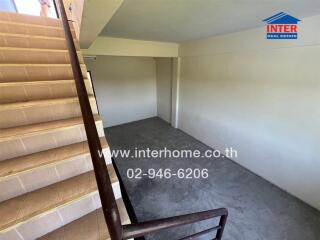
(164, 85)
(125, 88)
(260, 97)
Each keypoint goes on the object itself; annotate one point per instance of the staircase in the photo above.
(47, 184)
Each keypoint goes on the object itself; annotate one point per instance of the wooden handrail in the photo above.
(109, 206)
(141, 229)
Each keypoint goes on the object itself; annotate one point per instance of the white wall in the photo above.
(164, 85)
(125, 88)
(260, 97)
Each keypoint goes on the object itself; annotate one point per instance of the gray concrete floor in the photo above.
(258, 210)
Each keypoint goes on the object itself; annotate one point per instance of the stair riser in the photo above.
(47, 222)
(91, 226)
(24, 18)
(10, 93)
(34, 57)
(29, 42)
(42, 113)
(28, 181)
(37, 73)
(41, 141)
(32, 30)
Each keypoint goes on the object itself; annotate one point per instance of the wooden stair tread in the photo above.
(40, 103)
(22, 208)
(91, 226)
(16, 165)
(29, 130)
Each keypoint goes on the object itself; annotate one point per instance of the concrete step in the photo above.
(21, 175)
(29, 19)
(38, 111)
(11, 92)
(37, 72)
(35, 56)
(34, 214)
(32, 25)
(16, 166)
(33, 41)
(31, 29)
(91, 226)
(24, 140)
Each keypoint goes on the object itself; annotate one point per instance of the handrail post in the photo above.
(222, 223)
(109, 206)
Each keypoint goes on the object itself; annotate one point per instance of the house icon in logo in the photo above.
(282, 26)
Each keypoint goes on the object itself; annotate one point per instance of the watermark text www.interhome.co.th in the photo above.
(169, 153)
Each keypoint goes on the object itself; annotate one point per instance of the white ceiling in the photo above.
(181, 20)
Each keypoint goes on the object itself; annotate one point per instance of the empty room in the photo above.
(159, 120)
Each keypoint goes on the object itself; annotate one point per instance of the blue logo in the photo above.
(282, 26)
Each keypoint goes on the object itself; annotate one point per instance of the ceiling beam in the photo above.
(96, 14)
(130, 47)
